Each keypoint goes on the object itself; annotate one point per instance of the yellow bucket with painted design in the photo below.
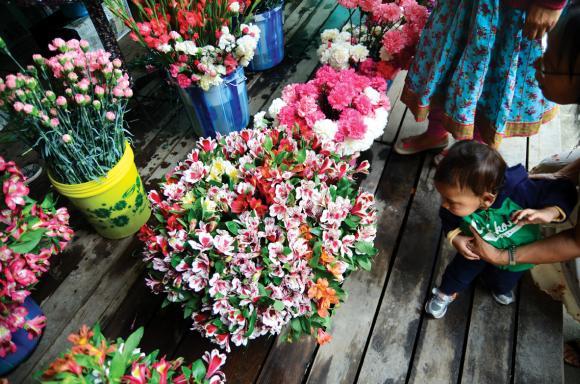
(115, 205)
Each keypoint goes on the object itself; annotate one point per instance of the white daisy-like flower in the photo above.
(276, 107)
(329, 35)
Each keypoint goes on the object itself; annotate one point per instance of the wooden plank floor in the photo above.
(381, 334)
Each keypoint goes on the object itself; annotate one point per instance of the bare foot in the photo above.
(420, 143)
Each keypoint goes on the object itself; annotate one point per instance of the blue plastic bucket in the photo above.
(222, 109)
(270, 50)
(24, 345)
(74, 10)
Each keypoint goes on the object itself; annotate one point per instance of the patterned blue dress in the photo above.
(473, 62)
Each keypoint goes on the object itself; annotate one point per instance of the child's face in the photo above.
(462, 201)
(553, 75)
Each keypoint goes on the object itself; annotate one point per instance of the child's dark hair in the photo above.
(472, 165)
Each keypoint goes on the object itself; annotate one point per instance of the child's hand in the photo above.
(540, 21)
(464, 245)
(535, 216)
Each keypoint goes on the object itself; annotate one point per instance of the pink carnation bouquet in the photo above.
(70, 108)
(30, 234)
(380, 36)
(341, 106)
(257, 230)
(197, 41)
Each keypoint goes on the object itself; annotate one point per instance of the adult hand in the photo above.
(463, 245)
(565, 173)
(487, 251)
(540, 21)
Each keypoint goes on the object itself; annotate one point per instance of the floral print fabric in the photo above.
(473, 62)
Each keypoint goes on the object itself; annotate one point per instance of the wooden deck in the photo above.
(380, 335)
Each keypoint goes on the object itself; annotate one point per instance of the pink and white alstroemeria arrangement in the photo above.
(337, 105)
(95, 359)
(256, 230)
(30, 234)
(70, 108)
(380, 36)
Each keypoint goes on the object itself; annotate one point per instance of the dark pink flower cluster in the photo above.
(30, 234)
(342, 105)
(390, 30)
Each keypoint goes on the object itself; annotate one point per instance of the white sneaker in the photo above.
(504, 299)
(437, 305)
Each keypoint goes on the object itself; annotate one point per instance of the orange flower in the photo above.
(324, 296)
(326, 302)
(82, 338)
(318, 289)
(323, 337)
(66, 364)
(326, 258)
(305, 232)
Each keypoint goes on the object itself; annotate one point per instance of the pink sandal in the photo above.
(403, 148)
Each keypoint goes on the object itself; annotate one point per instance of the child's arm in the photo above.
(451, 229)
(544, 201)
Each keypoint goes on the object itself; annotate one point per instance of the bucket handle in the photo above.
(236, 80)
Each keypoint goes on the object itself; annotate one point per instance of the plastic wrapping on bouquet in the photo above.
(24, 345)
(222, 109)
(270, 50)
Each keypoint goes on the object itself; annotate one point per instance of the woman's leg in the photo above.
(436, 136)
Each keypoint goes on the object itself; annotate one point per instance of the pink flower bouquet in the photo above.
(70, 108)
(94, 359)
(337, 105)
(257, 230)
(380, 36)
(30, 234)
(197, 41)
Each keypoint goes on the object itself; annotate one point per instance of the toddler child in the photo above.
(503, 205)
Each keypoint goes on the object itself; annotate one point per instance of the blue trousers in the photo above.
(461, 272)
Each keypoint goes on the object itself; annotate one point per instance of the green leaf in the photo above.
(133, 341)
(278, 305)
(306, 325)
(316, 231)
(233, 227)
(252, 323)
(48, 202)
(187, 311)
(316, 254)
(301, 156)
(365, 248)
(28, 241)
(268, 144)
(296, 326)
(364, 263)
(198, 370)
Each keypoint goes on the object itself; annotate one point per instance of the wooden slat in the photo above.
(287, 362)
(488, 354)
(440, 345)
(389, 353)
(397, 108)
(136, 310)
(539, 348)
(338, 361)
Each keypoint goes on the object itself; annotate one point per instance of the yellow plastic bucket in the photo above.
(116, 205)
